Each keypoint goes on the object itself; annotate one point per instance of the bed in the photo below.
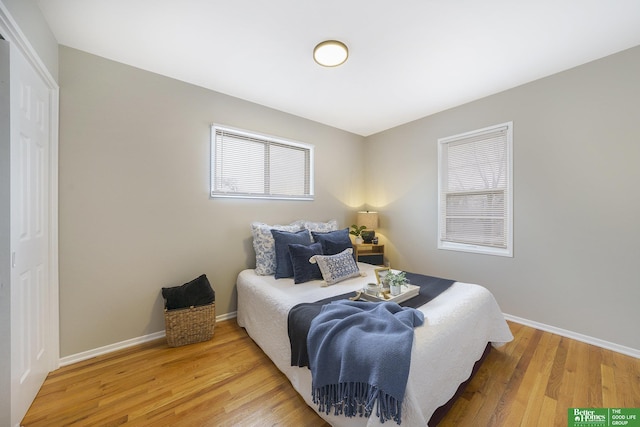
(458, 325)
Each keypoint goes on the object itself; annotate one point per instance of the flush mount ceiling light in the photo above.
(330, 53)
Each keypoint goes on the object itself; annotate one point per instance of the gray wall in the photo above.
(5, 235)
(577, 203)
(135, 212)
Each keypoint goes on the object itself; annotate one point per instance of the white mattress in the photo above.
(458, 324)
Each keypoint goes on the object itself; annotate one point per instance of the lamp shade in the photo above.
(368, 219)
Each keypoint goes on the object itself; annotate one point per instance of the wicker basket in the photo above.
(190, 325)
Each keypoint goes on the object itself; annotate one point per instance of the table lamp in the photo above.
(370, 221)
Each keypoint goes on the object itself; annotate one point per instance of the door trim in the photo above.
(14, 35)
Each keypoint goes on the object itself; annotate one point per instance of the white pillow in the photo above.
(318, 227)
(338, 267)
(264, 245)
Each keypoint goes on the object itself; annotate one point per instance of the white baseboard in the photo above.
(576, 336)
(227, 316)
(79, 357)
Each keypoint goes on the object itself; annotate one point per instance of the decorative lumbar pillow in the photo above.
(192, 294)
(303, 270)
(333, 242)
(282, 240)
(336, 268)
(264, 246)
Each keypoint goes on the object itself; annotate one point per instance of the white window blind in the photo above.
(249, 165)
(475, 191)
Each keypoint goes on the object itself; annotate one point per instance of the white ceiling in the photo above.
(408, 58)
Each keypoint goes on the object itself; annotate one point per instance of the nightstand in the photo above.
(369, 253)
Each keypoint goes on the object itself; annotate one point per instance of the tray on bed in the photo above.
(408, 292)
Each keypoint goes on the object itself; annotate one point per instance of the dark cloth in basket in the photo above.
(192, 294)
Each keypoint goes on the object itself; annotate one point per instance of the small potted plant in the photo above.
(357, 231)
(395, 281)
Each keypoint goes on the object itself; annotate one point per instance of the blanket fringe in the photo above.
(351, 399)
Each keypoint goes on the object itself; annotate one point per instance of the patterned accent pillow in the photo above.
(264, 246)
(318, 227)
(336, 268)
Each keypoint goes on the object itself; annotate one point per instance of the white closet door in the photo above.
(30, 211)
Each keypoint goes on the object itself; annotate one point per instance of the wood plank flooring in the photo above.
(228, 381)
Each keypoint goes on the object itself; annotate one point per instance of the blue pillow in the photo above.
(282, 239)
(303, 270)
(333, 242)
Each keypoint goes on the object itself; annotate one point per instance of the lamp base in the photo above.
(367, 235)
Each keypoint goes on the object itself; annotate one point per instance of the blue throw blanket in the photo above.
(360, 354)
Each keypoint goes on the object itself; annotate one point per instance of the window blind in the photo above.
(245, 164)
(475, 191)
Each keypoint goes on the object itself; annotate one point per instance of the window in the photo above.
(249, 165)
(475, 191)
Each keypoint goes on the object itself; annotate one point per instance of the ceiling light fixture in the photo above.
(330, 53)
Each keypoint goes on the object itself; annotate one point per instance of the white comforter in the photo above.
(458, 324)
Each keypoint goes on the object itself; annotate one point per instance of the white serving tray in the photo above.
(408, 292)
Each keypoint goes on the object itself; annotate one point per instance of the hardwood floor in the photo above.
(536, 378)
(228, 381)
